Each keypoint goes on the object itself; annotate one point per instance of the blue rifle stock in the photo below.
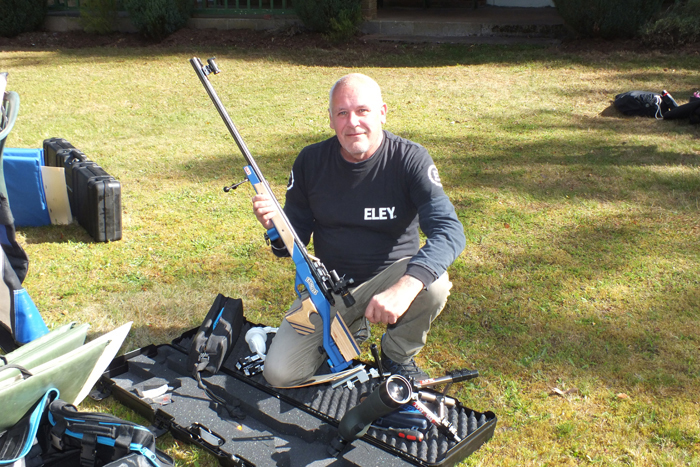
(314, 285)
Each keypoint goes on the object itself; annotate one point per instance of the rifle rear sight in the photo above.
(211, 68)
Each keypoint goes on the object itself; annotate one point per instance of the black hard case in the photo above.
(104, 207)
(66, 157)
(96, 199)
(282, 427)
(74, 192)
(51, 147)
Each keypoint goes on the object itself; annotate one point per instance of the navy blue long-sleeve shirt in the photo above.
(365, 216)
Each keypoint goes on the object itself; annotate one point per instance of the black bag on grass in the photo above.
(641, 104)
(645, 104)
(214, 341)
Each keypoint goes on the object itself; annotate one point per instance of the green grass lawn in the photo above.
(582, 267)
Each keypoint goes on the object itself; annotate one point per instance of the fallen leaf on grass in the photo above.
(622, 395)
(559, 392)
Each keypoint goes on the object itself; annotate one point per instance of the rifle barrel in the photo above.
(199, 69)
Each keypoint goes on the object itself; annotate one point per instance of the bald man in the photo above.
(363, 194)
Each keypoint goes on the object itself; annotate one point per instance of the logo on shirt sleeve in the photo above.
(290, 182)
(434, 176)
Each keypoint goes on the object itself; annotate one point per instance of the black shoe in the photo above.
(409, 370)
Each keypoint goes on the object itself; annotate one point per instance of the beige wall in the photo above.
(369, 9)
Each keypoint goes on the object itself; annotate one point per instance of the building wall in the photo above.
(431, 3)
(521, 3)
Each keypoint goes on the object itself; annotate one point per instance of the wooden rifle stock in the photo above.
(314, 285)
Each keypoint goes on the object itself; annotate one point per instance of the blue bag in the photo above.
(56, 434)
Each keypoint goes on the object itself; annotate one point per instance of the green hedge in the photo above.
(607, 18)
(18, 16)
(157, 19)
(98, 16)
(337, 19)
(677, 26)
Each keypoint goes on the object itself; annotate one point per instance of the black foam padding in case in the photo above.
(281, 426)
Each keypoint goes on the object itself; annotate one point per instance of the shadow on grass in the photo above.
(549, 169)
(402, 55)
(373, 55)
(72, 233)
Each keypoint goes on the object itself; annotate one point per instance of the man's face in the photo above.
(357, 114)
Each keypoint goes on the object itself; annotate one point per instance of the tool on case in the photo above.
(456, 376)
(315, 286)
(406, 417)
(409, 434)
(250, 365)
(361, 375)
(443, 425)
(256, 338)
(416, 415)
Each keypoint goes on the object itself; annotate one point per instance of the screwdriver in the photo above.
(405, 433)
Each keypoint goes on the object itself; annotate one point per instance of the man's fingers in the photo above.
(264, 209)
(371, 314)
(376, 313)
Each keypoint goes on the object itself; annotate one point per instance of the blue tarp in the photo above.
(25, 188)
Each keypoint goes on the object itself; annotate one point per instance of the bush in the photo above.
(337, 19)
(607, 18)
(98, 16)
(157, 19)
(677, 26)
(18, 16)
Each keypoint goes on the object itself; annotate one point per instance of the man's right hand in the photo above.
(264, 209)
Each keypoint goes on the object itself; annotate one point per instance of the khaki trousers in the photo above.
(293, 358)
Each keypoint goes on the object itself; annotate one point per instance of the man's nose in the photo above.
(354, 119)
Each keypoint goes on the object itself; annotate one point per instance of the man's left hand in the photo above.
(390, 305)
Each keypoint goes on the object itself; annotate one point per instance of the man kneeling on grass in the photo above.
(363, 194)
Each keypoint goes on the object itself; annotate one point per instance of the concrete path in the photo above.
(485, 24)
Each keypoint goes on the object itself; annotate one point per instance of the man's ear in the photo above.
(382, 111)
(330, 120)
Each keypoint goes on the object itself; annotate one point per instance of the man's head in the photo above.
(357, 113)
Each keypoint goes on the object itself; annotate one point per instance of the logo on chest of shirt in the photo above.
(379, 214)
